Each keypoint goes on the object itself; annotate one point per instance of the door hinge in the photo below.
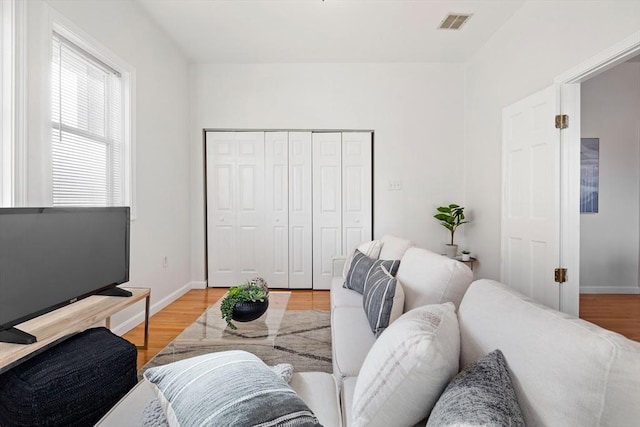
(560, 275)
(562, 121)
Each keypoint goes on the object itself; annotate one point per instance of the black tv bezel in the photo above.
(54, 210)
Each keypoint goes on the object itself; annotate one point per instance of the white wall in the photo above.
(414, 110)
(162, 224)
(609, 239)
(542, 40)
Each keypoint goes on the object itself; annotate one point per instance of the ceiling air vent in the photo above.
(454, 21)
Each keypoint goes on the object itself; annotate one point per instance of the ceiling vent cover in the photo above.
(454, 21)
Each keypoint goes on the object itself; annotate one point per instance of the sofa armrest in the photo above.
(337, 265)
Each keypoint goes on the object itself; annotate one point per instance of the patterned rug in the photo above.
(304, 340)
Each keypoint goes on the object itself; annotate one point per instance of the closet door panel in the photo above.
(250, 211)
(221, 200)
(327, 205)
(300, 212)
(356, 189)
(277, 209)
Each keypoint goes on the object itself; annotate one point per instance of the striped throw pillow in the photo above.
(361, 268)
(383, 299)
(371, 249)
(228, 388)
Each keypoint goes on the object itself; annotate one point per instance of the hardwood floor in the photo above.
(619, 313)
(167, 324)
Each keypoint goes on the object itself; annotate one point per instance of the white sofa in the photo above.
(565, 371)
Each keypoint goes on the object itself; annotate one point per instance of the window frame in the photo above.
(87, 43)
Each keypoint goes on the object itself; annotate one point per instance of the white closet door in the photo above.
(327, 205)
(276, 209)
(356, 189)
(235, 206)
(300, 213)
(221, 215)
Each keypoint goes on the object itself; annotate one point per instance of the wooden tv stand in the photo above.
(57, 325)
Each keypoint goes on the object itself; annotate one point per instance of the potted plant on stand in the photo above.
(245, 302)
(466, 255)
(451, 217)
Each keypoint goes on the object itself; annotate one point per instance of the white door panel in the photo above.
(300, 212)
(277, 209)
(356, 189)
(235, 206)
(327, 207)
(530, 219)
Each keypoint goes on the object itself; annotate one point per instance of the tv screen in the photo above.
(50, 257)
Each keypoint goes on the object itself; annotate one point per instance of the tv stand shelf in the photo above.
(57, 325)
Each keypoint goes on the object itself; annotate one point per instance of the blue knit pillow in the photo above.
(361, 268)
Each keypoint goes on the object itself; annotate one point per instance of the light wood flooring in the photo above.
(619, 313)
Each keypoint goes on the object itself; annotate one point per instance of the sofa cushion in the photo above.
(407, 368)
(343, 297)
(382, 300)
(232, 388)
(393, 247)
(362, 266)
(481, 394)
(430, 278)
(370, 249)
(351, 339)
(565, 371)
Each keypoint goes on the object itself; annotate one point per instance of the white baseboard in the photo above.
(609, 290)
(132, 322)
(199, 285)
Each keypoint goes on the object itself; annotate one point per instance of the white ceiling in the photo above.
(266, 31)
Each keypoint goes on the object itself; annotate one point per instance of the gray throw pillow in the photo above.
(153, 415)
(230, 388)
(480, 395)
(361, 268)
(383, 295)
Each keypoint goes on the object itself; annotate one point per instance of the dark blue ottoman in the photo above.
(73, 383)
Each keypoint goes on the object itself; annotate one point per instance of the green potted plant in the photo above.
(451, 217)
(466, 255)
(245, 302)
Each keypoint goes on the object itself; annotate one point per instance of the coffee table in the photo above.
(211, 328)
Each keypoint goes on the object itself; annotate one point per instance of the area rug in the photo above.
(303, 340)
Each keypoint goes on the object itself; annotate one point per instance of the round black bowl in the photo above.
(248, 311)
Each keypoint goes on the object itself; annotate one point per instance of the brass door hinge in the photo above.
(560, 275)
(562, 121)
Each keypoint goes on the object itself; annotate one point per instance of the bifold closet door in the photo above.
(342, 198)
(235, 206)
(327, 205)
(300, 213)
(357, 189)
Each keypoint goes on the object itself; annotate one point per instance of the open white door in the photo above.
(531, 196)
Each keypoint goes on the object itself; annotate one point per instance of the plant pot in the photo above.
(466, 257)
(248, 311)
(451, 250)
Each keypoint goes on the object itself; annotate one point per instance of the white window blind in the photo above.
(87, 129)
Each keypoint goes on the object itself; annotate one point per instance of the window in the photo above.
(89, 153)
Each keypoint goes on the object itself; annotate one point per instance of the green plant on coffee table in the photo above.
(251, 291)
(465, 252)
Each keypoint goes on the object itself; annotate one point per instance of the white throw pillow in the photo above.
(407, 368)
(394, 247)
(371, 249)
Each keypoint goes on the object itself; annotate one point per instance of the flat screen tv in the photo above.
(51, 257)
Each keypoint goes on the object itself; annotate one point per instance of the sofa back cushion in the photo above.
(430, 278)
(565, 371)
(393, 247)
